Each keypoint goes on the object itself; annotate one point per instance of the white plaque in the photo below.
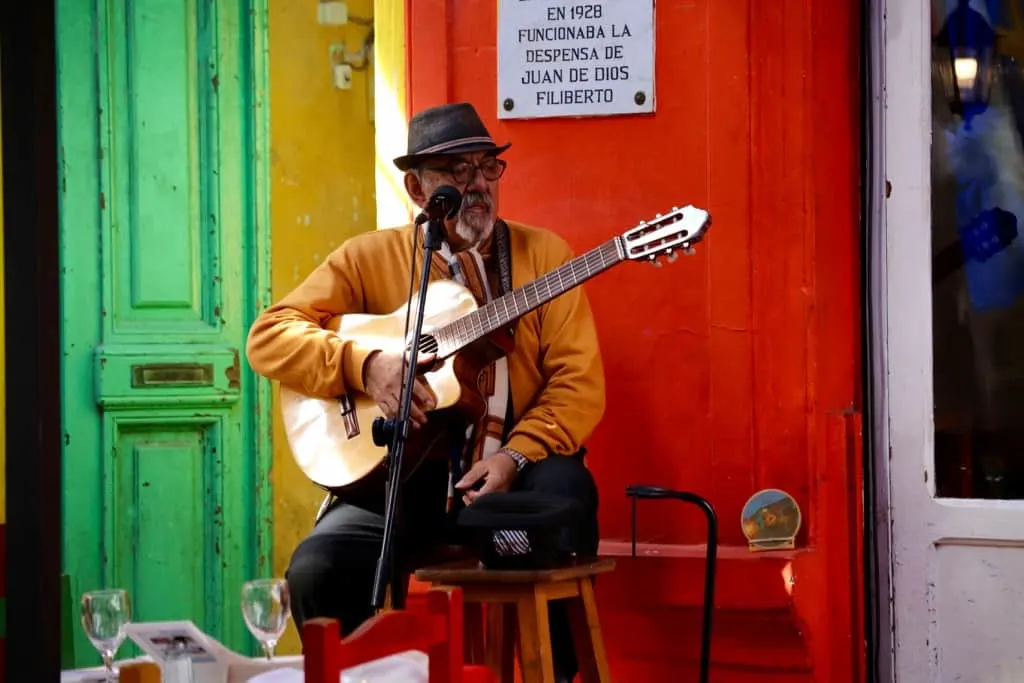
(564, 58)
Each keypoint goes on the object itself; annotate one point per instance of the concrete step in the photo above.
(674, 574)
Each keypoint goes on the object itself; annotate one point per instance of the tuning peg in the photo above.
(689, 250)
(672, 256)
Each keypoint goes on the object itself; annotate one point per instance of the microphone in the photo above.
(444, 202)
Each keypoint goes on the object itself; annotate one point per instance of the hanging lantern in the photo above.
(966, 69)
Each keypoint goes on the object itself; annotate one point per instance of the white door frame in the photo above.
(879, 620)
(901, 286)
(918, 534)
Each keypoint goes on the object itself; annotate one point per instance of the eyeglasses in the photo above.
(462, 172)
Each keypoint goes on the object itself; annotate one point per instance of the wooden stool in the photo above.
(521, 599)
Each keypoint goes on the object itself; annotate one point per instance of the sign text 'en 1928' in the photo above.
(558, 58)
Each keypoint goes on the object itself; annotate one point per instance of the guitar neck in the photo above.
(461, 333)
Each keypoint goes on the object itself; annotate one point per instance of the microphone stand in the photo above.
(397, 430)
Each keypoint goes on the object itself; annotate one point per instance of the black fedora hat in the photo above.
(447, 129)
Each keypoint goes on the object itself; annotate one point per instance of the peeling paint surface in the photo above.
(322, 179)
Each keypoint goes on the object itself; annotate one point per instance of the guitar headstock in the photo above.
(666, 235)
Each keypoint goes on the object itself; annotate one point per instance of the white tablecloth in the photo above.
(408, 667)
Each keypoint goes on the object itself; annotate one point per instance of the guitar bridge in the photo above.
(347, 410)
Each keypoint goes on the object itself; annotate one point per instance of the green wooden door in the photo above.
(164, 244)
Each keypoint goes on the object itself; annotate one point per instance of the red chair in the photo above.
(431, 623)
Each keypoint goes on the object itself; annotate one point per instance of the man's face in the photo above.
(477, 176)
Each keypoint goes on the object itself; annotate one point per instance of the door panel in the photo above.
(162, 240)
(953, 285)
(156, 461)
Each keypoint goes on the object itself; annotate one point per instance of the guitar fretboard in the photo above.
(481, 322)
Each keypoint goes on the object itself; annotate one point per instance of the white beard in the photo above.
(475, 232)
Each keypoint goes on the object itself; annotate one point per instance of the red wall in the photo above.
(735, 369)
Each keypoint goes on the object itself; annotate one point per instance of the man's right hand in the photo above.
(383, 375)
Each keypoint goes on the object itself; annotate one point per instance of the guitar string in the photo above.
(563, 278)
(556, 282)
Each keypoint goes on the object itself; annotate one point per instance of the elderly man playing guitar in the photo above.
(541, 399)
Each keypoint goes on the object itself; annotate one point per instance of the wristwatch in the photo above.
(518, 458)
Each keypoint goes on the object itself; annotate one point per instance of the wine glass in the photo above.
(266, 606)
(105, 613)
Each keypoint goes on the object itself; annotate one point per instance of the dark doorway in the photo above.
(32, 322)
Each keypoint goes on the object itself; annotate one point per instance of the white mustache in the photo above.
(471, 199)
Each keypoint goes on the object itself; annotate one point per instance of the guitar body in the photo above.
(332, 439)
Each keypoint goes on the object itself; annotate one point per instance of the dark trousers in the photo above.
(332, 570)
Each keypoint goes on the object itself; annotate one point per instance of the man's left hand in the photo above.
(497, 472)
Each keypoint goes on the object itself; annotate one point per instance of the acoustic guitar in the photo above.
(332, 440)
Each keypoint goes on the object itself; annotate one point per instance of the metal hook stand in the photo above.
(636, 492)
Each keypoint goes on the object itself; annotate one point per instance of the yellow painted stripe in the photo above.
(390, 103)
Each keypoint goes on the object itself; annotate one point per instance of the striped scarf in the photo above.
(484, 438)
